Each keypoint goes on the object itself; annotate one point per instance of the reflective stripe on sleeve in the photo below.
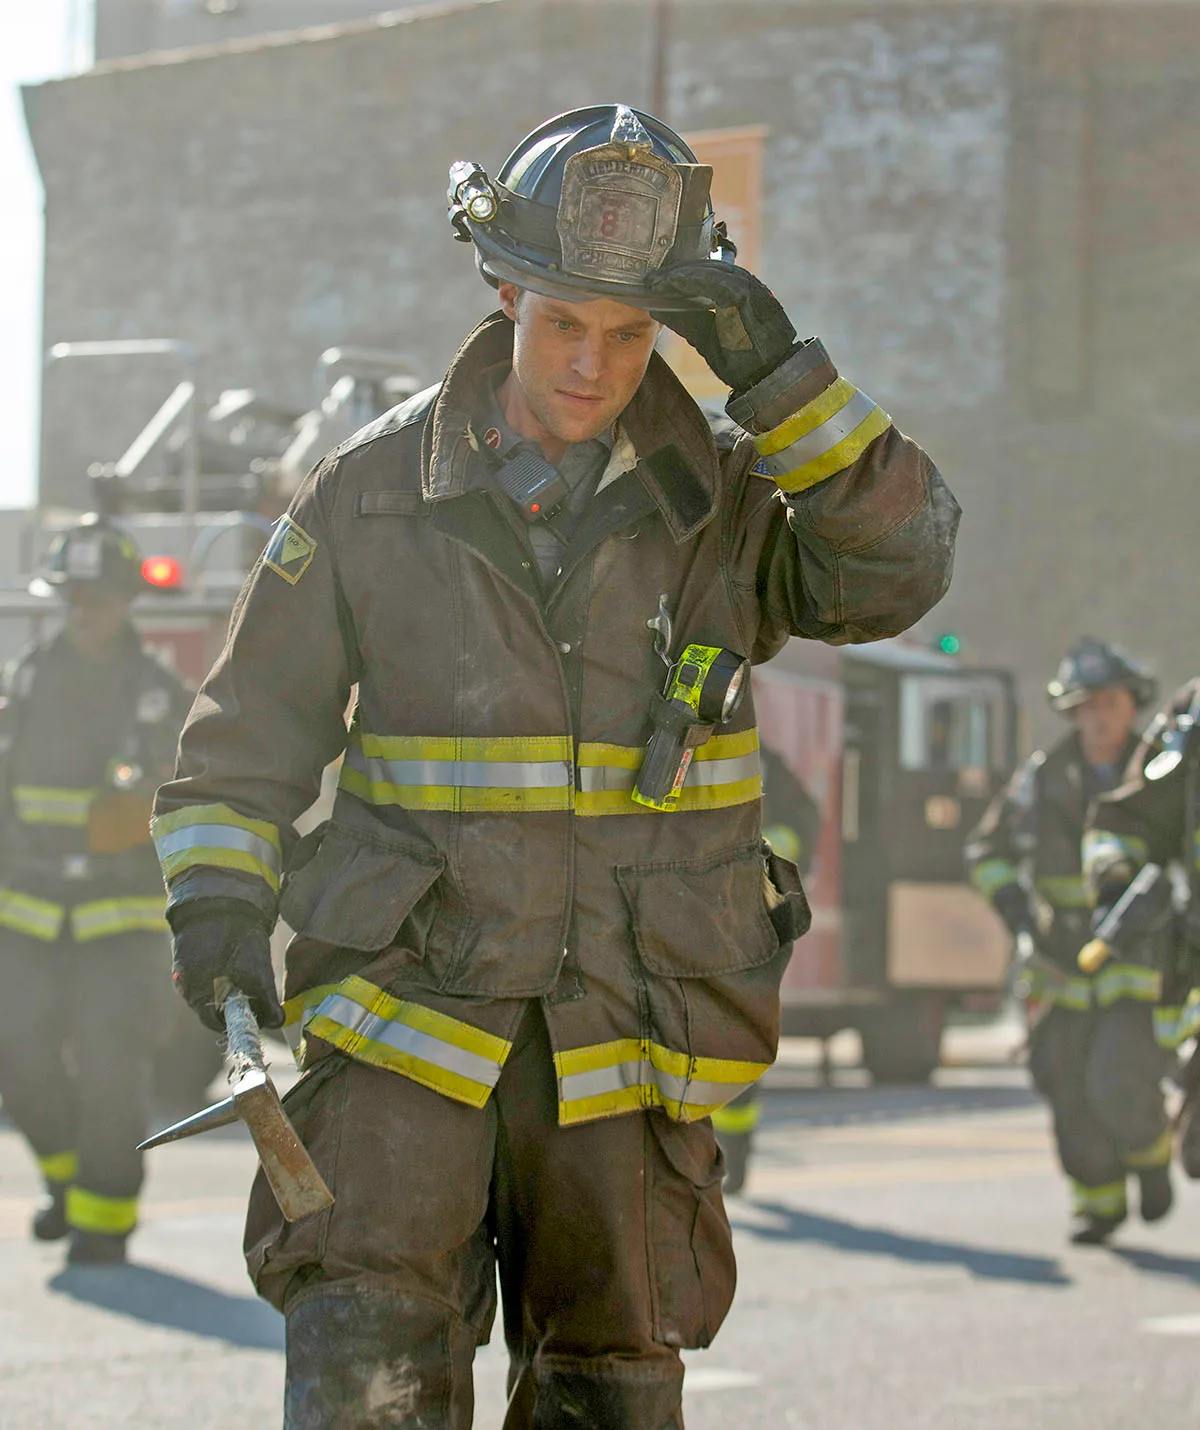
(104, 917)
(992, 875)
(215, 835)
(826, 436)
(88, 1211)
(38, 918)
(38, 804)
(1102, 849)
(510, 773)
(61, 1167)
(1106, 1201)
(1067, 891)
(1127, 980)
(440, 1052)
(726, 771)
(628, 1074)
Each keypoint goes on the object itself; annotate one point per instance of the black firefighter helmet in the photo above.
(1092, 665)
(95, 554)
(588, 206)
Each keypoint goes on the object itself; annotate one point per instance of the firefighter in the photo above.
(791, 824)
(530, 960)
(1091, 1053)
(1153, 821)
(88, 729)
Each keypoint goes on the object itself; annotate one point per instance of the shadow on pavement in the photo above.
(836, 1106)
(1187, 1268)
(793, 1225)
(164, 1299)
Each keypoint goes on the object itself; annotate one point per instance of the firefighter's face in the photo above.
(1104, 721)
(575, 366)
(94, 619)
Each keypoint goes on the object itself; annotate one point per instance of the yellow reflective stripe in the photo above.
(37, 804)
(216, 835)
(37, 917)
(1174, 1026)
(737, 1121)
(104, 917)
(1066, 890)
(1102, 849)
(629, 1073)
(61, 1167)
(1106, 1201)
(1127, 980)
(991, 875)
(1158, 1154)
(518, 773)
(811, 416)
(440, 1052)
(837, 458)
(726, 771)
(88, 1211)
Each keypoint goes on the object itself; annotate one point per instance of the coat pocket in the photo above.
(358, 888)
(699, 918)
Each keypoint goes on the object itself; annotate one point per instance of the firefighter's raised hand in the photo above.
(744, 335)
(223, 938)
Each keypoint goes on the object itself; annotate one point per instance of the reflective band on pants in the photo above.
(431, 1048)
(215, 835)
(1158, 1154)
(1106, 1201)
(36, 804)
(88, 1211)
(61, 1167)
(631, 1073)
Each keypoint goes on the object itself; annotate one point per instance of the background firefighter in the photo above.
(791, 825)
(1153, 819)
(88, 729)
(522, 992)
(1092, 1056)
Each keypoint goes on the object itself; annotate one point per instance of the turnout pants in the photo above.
(76, 1063)
(1100, 1070)
(610, 1237)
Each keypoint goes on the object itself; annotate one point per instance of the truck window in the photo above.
(953, 722)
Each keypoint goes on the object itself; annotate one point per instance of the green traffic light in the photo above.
(950, 645)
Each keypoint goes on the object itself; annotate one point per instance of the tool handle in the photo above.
(241, 1027)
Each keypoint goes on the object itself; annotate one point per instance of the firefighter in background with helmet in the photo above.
(791, 826)
(527, 967)
(88, 728)
(1093, 1055)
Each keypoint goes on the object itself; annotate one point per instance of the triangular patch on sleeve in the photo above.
(290, 550)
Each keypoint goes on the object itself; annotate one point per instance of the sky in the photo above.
(35, 43)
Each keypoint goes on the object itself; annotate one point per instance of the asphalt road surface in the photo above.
(903, 1267)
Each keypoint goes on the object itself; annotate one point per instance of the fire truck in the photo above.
(902, 747)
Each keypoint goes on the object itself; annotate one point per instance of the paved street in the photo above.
(902, 1268)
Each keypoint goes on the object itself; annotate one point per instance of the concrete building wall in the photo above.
(988, 211)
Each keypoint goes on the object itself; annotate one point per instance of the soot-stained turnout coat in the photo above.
(484, 849)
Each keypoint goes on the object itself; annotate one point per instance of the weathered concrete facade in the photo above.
(989, 211)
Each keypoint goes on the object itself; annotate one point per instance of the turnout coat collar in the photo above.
(676, 456)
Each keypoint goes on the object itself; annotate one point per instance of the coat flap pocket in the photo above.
(356, 890)
(696, 918)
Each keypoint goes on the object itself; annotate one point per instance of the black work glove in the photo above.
(1011, 902)
(228, 938)
(746, 337)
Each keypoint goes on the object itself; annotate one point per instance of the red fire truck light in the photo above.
(162, 571)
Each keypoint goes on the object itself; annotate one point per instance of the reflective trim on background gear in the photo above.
(440, 1052)
(60, 1167)
(38, 918)
(992, 875)
(826, 436)
(1066, 891)
(1073, 993)
(632, 1073)
(1126, 980)
(1158, 1154)
(1103, 849)
(105, 917)
(88, 1211)
(735, 1121)
(1175, 1025)
(46, 804)
(506, 773)
(215, 835)
(1108, 1201)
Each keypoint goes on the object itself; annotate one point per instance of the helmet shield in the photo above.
(1092, 665)
(589, 206)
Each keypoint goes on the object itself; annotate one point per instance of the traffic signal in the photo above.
(164, 573)
(949, 644)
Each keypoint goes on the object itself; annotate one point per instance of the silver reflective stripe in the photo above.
(217, 836)
(698, 1093)
(822, 439)
(464, 774)
(353, 1016)
(733, 770)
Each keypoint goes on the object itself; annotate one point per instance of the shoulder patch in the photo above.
(290, 550)
(760, 469)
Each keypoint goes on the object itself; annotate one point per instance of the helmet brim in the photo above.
(497, 266)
